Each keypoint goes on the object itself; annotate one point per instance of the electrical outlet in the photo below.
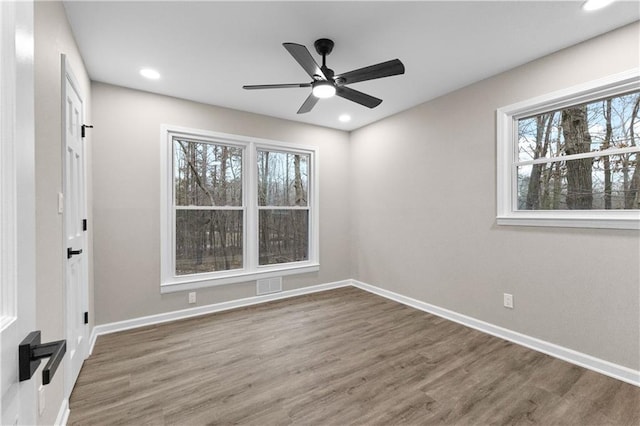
(508, 300)
(192, 297)
(41, 399)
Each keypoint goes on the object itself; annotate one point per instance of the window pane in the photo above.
(208, 240)
(283, 236)
(606, 182)
(283, 178)
(595, 126)
(206, 174)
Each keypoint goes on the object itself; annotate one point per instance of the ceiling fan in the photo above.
(325, 83)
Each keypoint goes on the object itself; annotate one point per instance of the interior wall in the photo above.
(126, 172)
(53, 37)
(423, 216)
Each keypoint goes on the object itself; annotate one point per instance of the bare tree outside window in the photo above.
(283, 208)
(208, 207)
(567, 159)
(235, 208)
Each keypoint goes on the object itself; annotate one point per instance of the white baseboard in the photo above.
(63, 413)
(616, 371)
(607, 368)
(207, 309)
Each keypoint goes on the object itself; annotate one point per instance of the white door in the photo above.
(17, 208)
(76, 274)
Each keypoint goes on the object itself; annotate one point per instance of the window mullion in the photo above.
(590, 154)
(251, 202)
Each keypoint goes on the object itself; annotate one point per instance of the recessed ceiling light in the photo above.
(345, 118)
(150, 74)
(590, 5)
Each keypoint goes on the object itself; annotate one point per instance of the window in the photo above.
(283, 209)
(235, 209)
(570, 158)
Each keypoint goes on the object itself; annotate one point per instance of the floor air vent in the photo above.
(271, 285)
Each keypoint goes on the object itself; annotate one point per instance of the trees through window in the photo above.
(209, 207)
(581, 158)
(283, 216)
(237, 207)
(570, 158)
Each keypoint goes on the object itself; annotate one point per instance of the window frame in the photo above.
(259, 208)
(170, 282)
(507, 157)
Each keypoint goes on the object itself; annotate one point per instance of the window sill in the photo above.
(192, 283)
(626, 220)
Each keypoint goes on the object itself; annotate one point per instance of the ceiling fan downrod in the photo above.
(324, 46)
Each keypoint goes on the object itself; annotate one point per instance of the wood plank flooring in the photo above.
(338, 357)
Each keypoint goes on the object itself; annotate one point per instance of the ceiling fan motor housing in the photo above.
(323, 46)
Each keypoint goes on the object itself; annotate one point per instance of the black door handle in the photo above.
(71, 252)
(31, 351)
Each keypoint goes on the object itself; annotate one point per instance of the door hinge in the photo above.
(71, 252)
(86, 317)
(84, 224)
(85, 126)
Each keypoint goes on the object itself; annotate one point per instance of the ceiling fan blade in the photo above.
(301, 54)
(276, 86)
(383, 69)
(358, 97)
(308, 104)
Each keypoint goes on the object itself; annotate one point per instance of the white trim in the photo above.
(607, 368)
(591, 154)
(239, 208)
(631, 222)
(63, 413)
(507, 155)
(114, 327)
(192, 282)
(169, 282)
(92, 338)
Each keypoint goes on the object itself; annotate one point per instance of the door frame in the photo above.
(68, 75)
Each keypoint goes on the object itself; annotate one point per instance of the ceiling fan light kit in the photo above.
(323, 89)
(325, 83)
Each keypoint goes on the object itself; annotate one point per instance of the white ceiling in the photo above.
(206, 51)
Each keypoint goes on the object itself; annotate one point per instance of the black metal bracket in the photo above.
(31, 351)
(71, 252)
(85, 126)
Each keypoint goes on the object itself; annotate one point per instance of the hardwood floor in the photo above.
(336, 358)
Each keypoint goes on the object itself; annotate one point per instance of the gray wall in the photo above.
(423, 210)
(53, 37)
(393, 212)
(126, 172)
